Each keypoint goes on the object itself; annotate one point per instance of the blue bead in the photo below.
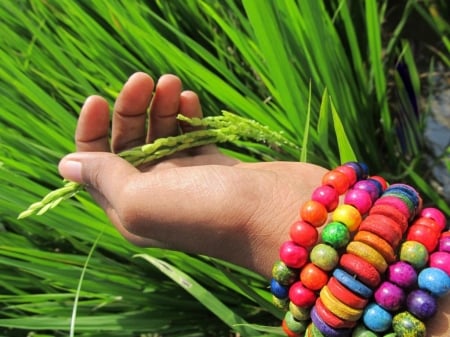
(357, 168)
(376, 318)
(278, 290)
(405, 190)
(351, 283)
(435, 280)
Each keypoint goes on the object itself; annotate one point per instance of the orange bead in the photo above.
(314, 213)
(349, 172)
(313, 277)
(338, 180)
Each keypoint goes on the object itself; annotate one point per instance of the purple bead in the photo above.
(360, 199)
(370, 186)
(440, 260)
(327, 196)
(436, 215)
(389, 296)
(421, 304)
(325, 329)
(360, 174)
(444, 244)
(402, 274)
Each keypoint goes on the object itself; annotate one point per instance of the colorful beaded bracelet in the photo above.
(328, 289)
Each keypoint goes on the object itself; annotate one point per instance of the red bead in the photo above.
(425, 235)
(429, 222)
(303, 234)
(381, 180)
(331, 319)
(391, 212)
(314, 213)
(302, 296)
(313, 277)
(327, 196)
(363, 270)
(384, 227)
(349, 172)
(338, 180)
(345, 295)
(360, 199)
(293, 255)
(441, 260)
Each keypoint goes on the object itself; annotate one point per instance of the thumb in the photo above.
(105, 172)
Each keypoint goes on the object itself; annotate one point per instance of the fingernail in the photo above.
(71, 170)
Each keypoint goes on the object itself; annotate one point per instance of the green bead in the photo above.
(299, 313)
(313, 331)
(391, 334)
(336, 234)
(280, 303)
(324, 256)
(406, 325)
(283, 274)
(414, 253)
(295, 325)
(362, 331)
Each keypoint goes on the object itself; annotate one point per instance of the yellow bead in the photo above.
(348, 215)
(369, 254)
(338, 308)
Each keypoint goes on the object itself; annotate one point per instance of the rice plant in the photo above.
(320, 72)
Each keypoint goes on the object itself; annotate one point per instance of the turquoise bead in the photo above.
(376, 318)
(435, 280)
(406, 325)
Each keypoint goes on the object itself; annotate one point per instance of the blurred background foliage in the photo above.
(372, 67)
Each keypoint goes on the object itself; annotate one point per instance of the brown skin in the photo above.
(199, 201)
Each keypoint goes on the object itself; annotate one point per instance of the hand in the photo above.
(199, 201)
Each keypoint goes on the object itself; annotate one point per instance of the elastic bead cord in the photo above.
(364, 263)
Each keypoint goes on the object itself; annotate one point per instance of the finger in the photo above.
(93, 126)
(190, 107)
(165, 108)
(130, 112)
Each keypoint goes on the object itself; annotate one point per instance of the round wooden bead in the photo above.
(293, 324)
(278, 290)
(336, 234)
(280, 303)
(362, 331)
(331, 319)
(293, 255)
(406, 325)
(414, 253)
(314, 213)
(361, 169)
(376, 242)
(428, 222)
(313, 277)
(369, 254)
(338, 180)
(346, 295)
(327, 196)
(436, 215)
(283, 274)
(434, 280)
(444, 243)
(425, 235)
(360, 199)
(351, 283)
(338, 308)
(288, 331)
(303, 234)
(302, 296)
(349, 172)
(299, 313)
(421, 304)
(440, 260)
(389, 296)
(348, 215)
(384, 227)
(324, 256)
(377, 318)
(370, 186)
(383, 183)
(402, 274)
(362, 269)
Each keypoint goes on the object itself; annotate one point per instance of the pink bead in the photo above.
(441, 260)
(402, 274)
(395, 202)
(360, 199)
(327, 196)
(436, 215)
(302, 296)
(389, 296)
(293, 255)
(444, 244)
(370, 187)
